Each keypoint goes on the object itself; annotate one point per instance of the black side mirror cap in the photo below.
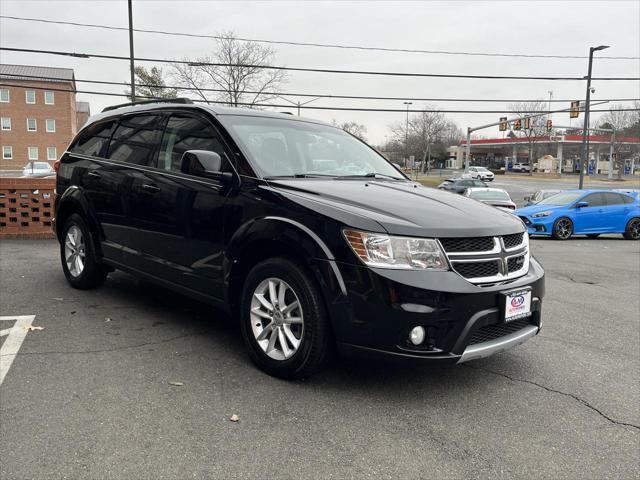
(582, 204)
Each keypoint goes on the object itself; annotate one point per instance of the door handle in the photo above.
(150, 187)
(93, 174)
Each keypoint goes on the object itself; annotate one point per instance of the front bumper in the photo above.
(538, 226)
(382, 306)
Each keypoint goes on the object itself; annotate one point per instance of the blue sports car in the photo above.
(584, 212)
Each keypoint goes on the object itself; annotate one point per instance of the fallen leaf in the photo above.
(235, 418)
(107, 319)
(31, 328)
(176, 384)
(72, 312)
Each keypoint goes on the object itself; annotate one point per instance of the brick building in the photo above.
(39, 114)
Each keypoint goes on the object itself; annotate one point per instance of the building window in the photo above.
(6, 123)
(32, 153)
(4, 95)
(31, 125)
(30, 96)
(51, 125)
(51, 153)
(7, 153)
(49, 98)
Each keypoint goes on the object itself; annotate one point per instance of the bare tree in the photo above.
(622, 123)
(354, 128)
(537, 125)
(427, 128)
(236, 69)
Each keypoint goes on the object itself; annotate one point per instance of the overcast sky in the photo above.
(548, 28)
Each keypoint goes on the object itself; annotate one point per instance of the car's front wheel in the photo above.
(283, 319)
(80, 264)
(632, 232)
(563, 229)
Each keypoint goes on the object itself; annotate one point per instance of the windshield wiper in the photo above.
(299, 175)
(372, 175)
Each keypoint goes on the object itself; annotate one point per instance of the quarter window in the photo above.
(52, 153)
(32, 153)
(51, 125)
(31, 125)
(185, 132)
(4, 95)
(93, 138)
(6, 123)
(30, 96)
(135, 139)
(49, 98)
(7, 153)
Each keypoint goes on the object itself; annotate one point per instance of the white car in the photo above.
(521, 167)
(37, 169)
(481, 173)
(496, 197)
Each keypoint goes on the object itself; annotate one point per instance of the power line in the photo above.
(311, 44)
(289, 106)
(315, 70)
(9, 76)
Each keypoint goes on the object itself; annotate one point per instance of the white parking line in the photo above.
(15, 336)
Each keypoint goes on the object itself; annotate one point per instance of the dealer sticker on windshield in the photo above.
(518, 304)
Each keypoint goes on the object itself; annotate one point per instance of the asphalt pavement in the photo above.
(132, 381)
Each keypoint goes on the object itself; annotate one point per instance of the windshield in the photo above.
(489, 195)
(280, 147)
(562, 198)
(481, 169)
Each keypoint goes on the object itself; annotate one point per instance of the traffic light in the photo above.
(549, 125)
(517, 124)
(574, 112)
(503, 124)
(527, 123)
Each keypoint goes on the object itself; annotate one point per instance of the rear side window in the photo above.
(135, 139)
(187, 132)
(595, 200)
(93, 139)
(615, 199)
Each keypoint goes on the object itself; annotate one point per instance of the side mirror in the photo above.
(204, 163)
(582, 204)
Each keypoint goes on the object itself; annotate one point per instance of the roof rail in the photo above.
(145, 102)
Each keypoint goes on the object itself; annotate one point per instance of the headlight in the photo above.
(542, 214)
(380, 250)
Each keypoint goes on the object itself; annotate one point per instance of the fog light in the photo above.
(416, 336)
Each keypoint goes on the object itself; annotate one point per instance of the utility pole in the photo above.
(406, 136)
(585, 131)
(131, 65)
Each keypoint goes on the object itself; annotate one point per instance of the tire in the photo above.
(264, 330)
(593, 235)
(562, 229)
(80, 264)
(632, 231)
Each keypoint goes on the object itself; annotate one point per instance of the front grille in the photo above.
(515, 263)
(511, 241)
(472, 244)
(491, 332)
(477, 269)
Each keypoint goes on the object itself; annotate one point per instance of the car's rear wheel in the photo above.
(593, 235)
(563, 229)
(283, 320)
(80, 265)
(632, 232)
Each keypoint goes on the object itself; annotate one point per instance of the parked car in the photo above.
(584, 212)
(37, 169)
(481, 173)
(459, 185)
(238, 208)
(521, 167)
(538, 196)
(496, 197)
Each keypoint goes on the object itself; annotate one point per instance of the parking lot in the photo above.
(127, 382)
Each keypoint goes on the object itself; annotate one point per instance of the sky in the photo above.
(540, 27)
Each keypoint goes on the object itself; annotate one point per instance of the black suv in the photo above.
(301, 231)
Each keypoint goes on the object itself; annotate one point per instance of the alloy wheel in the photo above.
(563, 228)
(277, 320)
(74, 251)
(634, 229)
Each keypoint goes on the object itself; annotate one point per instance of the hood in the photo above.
(401, 208)
(530, 210)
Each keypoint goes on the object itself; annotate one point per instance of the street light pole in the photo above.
(406, 136)
(585, 131)
(131, 66)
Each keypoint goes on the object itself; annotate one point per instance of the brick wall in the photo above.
(63, 112)
(26, 207)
